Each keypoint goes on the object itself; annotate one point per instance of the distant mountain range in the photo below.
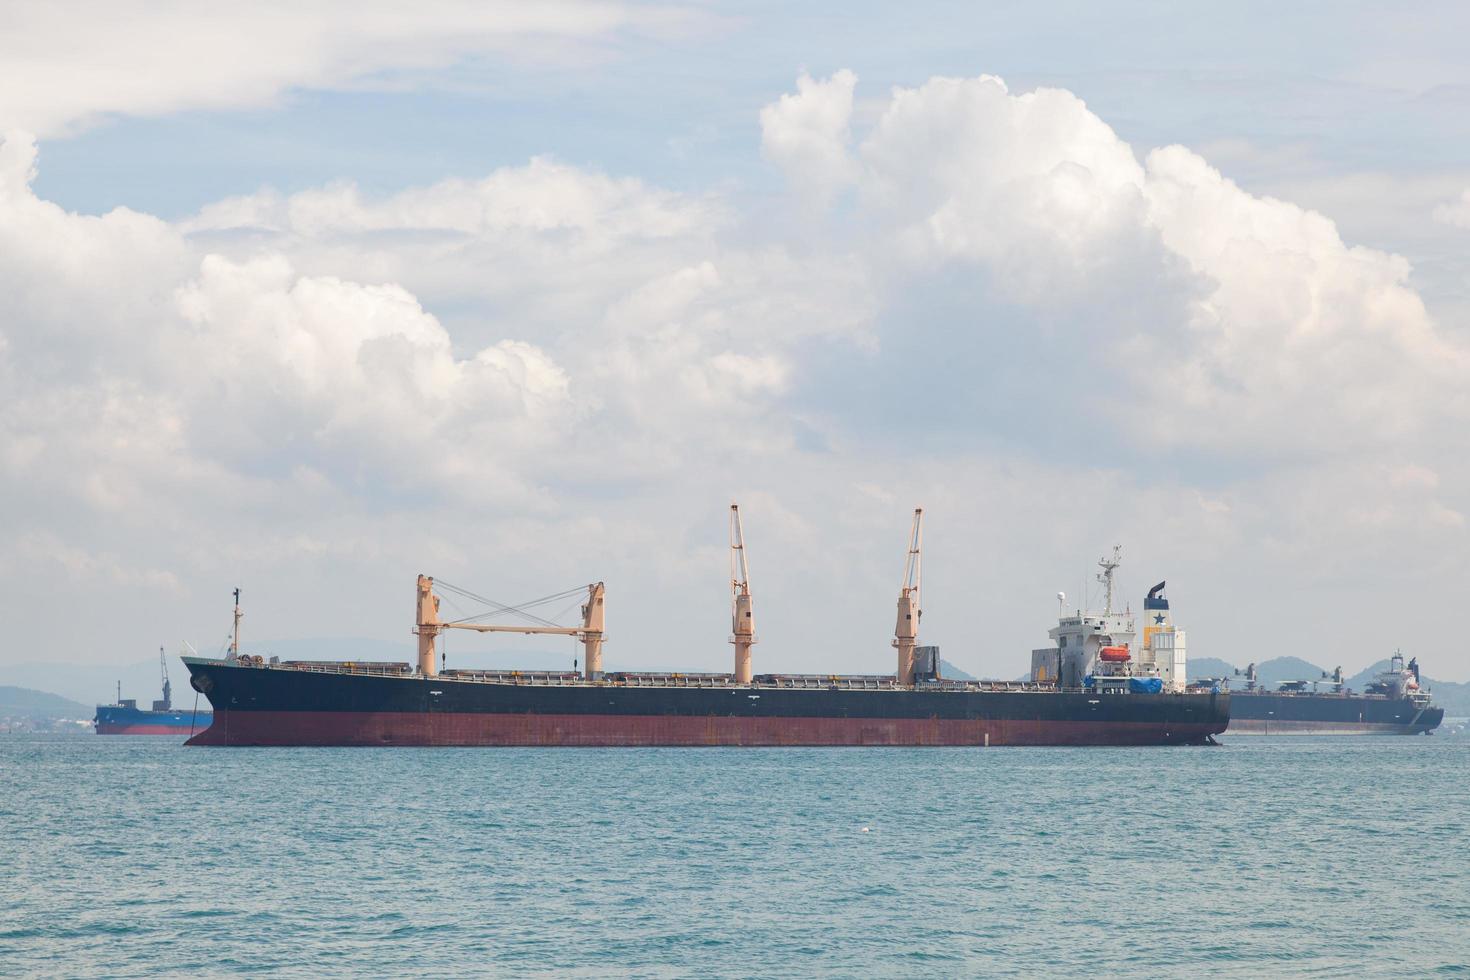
(80, 686)
(93, 684)
(1452, 696)
(23, 703)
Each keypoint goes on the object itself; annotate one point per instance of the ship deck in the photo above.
(657, 679)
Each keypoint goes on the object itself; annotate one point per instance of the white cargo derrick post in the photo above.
(590, 633)
(906, 632)
(742, 620)
(235, 642)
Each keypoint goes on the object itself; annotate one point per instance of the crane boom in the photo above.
(906, 632)
(742, 619)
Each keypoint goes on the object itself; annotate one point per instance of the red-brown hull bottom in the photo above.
(143, 730)
(473, 729)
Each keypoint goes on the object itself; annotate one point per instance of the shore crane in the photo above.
(590, 633)
(168, 692)
(742, 622)
(906, 632)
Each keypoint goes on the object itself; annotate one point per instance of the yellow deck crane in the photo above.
(906, 633)
(742, 622)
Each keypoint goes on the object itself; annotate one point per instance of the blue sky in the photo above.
(1349, 87)
(522, 295)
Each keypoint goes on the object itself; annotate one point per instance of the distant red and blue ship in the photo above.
(126, 718)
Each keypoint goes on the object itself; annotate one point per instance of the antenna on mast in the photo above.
(906, 633)
(742, 620)
(1108, 566)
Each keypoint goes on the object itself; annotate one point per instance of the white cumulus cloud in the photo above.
(806, 134)
(1197, 315)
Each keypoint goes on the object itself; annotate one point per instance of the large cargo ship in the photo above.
(1393, 704)
(1117, 700)
(126, 718)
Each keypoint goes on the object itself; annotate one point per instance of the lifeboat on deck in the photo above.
(1113, 655)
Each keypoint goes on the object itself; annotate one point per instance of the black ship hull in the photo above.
(1329, 714)
(270, 705)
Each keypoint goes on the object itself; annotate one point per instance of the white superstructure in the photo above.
(1399, 681)
(1098, 649)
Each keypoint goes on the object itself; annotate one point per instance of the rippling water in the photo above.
(135, 856)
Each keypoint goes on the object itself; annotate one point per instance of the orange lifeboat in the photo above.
(1113, 655)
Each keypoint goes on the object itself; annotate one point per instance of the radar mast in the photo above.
(1108, 566)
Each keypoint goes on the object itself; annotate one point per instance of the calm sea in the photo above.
(1266, 857)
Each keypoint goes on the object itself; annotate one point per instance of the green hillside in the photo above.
(1212, 667)
(22, 702)
(949, 671)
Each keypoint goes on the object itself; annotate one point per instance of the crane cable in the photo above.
(514, 610)
(517, 610)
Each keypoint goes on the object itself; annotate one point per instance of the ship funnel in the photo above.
(1163, 645)
(1155, 613)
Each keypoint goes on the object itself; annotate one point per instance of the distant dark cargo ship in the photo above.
(1393, 704)
(1121, 700)
(126, 718)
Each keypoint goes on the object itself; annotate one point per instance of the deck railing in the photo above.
(542, 678)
